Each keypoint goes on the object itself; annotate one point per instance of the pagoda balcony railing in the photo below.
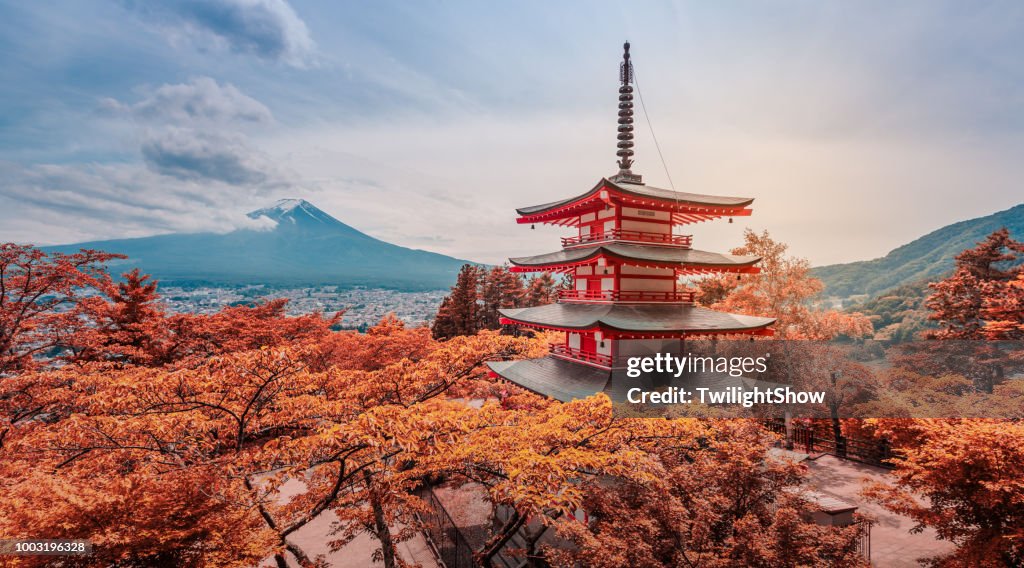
(631, 236)
(624, 296)
(566, 352)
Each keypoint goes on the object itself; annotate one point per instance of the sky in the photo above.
(857, 126)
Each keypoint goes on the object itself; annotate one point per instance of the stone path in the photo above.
(315, 536)
(892, 543)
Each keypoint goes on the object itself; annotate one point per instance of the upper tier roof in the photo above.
(654, 319)
(643, 191)
(641, 254)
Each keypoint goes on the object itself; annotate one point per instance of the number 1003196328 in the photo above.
(41, 546)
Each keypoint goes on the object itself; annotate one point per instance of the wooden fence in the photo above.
(821, 440)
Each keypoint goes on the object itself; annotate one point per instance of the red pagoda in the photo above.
(627, 265)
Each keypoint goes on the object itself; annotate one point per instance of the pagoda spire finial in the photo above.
(625, 145)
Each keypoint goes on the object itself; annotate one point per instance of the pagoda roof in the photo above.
(641, 194)
(566, 380)
(553, 377)
(662, 256)
(636, 319)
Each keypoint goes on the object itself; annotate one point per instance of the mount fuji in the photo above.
(305, 247)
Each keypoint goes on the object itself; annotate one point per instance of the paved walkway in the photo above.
(892, 543)
(314, 539)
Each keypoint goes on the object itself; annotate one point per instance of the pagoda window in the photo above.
(584, 270)
(605, 213)
(573, 340)
(588, 218)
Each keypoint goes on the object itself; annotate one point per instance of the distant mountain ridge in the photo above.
(306, 247)
(926, 258)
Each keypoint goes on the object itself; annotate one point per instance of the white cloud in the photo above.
(68, 203)
(193, 131)
(188, 154)
(268, 29)
(200, 99)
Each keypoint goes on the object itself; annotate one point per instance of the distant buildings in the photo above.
(363, 306)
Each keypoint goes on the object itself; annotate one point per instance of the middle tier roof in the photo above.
(652, 319)
(684, 259)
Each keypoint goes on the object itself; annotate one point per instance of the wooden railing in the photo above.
(448, 541)
(567, 352)
(635, 236)
(810, 440)
(864, 538)
(624, 296)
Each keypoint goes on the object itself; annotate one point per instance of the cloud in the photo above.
(192, 131)
(191, 155)
(268, 29)
(201, 99)
(60, 203)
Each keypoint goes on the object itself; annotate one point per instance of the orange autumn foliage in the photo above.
(233, 429)
(965, 479)
(198, 440)
(41, 300)
(983, 298)
(718, 500)
(784, 289)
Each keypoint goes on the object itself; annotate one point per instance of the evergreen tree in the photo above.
(459, 313)
(479, 293)
(499, 288)
(541, 290)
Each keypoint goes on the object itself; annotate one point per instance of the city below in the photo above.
(363, 307)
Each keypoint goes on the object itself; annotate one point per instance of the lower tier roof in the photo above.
(566, 380)
(640, 254)
(639, 318)
(553, 377)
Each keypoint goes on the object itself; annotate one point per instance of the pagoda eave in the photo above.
(613, 333)
(687, 270)
(635, 321)
(565, 380)
(552, 377)
(684, 207)
(683, 260)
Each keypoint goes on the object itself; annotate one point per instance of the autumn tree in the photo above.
(784, 289)
(719, 500)
(963, 479)
(39, 300)
(193, 464)
(983, 286)
(125, 321)
(1002, 309)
